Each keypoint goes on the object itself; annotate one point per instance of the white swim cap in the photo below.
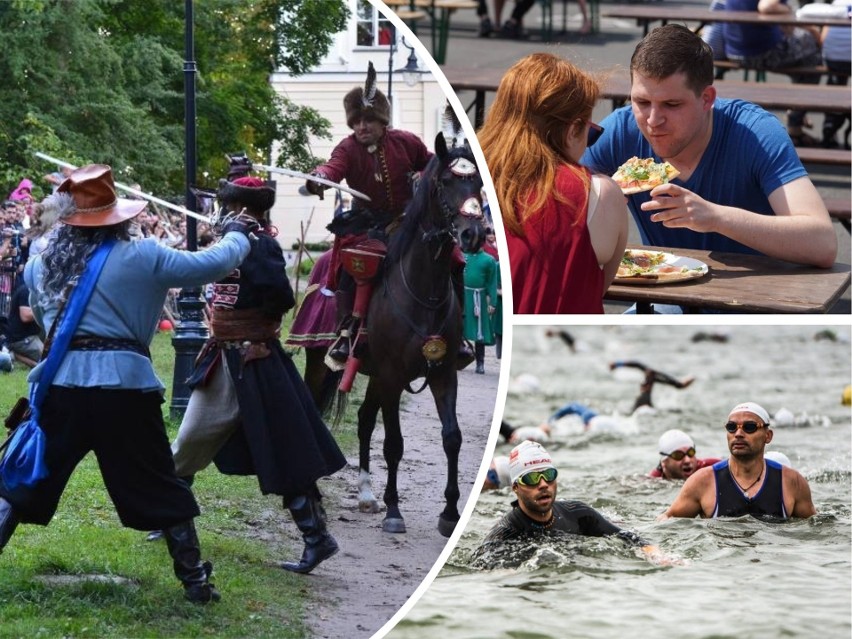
(501, 466)
(532, 433)
(751, 407)
(778, 456)
(672, 440)
(527, 457)
(783, 417)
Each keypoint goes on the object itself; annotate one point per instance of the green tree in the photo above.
(103, 80)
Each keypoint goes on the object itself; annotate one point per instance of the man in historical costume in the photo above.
(383, 163)
(480, 292)
(105, 396)
(249, 409)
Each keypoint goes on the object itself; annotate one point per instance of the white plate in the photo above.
(696, 269)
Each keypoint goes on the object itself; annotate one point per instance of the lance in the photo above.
(136, 192)
(312, 178)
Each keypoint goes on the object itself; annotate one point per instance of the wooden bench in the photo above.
(723, 66)
(829, 157)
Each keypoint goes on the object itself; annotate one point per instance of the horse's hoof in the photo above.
(446, 526)
(393, 525)
(369, 507)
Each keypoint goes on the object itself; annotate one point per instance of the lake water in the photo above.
(742, 578)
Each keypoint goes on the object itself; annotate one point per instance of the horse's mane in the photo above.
(420, 204)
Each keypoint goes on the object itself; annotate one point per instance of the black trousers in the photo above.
(125, 430)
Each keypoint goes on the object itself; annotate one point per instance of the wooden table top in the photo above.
(667, 13)
(616, 86)
(744, 284)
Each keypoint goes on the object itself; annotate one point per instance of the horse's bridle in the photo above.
(471, 208)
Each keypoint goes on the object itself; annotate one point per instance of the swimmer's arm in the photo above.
(688, 502)
(651, 552)
(803, 505)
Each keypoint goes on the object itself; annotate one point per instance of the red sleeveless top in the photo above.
(554, 267)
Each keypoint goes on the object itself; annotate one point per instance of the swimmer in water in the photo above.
(536, 512)
(746, 483)
(498, 474)
(651, 377)
(677, 456)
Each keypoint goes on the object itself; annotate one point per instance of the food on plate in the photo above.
(654, 265)
(637, 175)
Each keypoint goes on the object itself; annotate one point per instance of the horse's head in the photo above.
(457, 187)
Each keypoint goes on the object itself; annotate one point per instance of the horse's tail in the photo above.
(340, 406)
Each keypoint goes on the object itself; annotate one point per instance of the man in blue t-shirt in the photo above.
(741, 188)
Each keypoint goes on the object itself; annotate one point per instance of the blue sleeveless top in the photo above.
(732, 502)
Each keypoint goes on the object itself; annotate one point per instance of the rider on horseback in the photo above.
(385, 164)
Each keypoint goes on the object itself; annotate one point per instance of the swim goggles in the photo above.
(677, 455)
(533, 478)
(748, 427)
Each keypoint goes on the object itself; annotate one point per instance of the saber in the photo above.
(138, 193)
(312, 178)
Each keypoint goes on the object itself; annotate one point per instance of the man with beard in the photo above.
(741, 188)
(536, 513)
(379, 161)
(746, 483)
(677, 456)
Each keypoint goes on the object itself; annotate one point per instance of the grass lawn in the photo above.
(86, 538)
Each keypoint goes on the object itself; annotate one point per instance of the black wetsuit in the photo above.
(569, 517)
(731, 502)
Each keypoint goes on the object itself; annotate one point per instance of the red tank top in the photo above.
(554, 267)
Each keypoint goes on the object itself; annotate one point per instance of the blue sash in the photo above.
(24, 463)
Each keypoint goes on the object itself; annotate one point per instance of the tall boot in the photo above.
(345, 300)
(182, 542)
(8, 523)
(157, 535)
(309, 516)
(480, 357)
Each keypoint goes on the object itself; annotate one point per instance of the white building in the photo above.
(416, 108)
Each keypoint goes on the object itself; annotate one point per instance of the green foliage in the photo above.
(103, 81)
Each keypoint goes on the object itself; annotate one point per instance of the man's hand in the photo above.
(677, 207)
(241, 223)
(315, 188)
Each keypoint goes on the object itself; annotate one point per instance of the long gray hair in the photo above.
(64, 259)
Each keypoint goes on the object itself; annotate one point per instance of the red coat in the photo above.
(382, 174)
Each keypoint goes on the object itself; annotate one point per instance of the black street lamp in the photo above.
(191, 331)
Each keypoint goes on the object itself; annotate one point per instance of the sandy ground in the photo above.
(356, 592)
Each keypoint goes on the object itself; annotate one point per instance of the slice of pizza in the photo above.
(637, 175)
(639, 263)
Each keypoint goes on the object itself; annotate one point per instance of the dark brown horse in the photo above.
(414, 324)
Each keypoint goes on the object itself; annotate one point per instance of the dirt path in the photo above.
(359, 590)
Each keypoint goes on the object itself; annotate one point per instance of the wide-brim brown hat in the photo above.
(93, 190)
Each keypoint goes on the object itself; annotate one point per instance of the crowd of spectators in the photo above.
(25, 231)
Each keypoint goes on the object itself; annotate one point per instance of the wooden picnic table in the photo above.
(439, 12)
(616, 87)
(742, 284)
(664, 13)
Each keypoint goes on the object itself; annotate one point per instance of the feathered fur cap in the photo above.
(367, 102)
(250, 191)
